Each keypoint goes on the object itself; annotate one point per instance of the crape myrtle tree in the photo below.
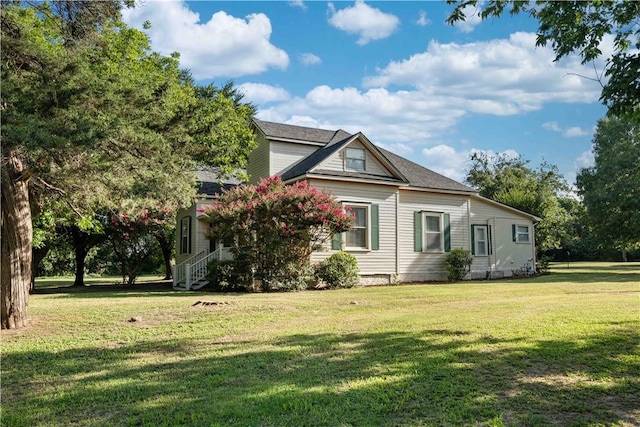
(133, 235)
(274, 228)
(511, 181)
(90, 117)
(579, 26)
(611, 188)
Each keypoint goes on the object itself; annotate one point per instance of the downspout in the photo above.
(493, 263)
(397, 233)
(533, 247)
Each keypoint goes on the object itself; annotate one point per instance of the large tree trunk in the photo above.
(166, 246)
(16, 242)
(82, 243)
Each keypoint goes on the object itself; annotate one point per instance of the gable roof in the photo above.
(300, 133)
(415, 175)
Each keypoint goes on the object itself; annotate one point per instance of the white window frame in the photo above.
(367, 228)
(522, 233)
(347, 158)
(425, 232)
(476, 240)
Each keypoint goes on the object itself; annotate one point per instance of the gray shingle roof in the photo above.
(313, 159)
(418, 176)
(300, 133)
(210, 183)
(421, 177)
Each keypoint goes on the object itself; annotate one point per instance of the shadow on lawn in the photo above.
(437, 377)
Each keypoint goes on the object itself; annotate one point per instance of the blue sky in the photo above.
(395, 71)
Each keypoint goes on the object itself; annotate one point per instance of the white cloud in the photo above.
(310, 59)
(472, 19)
(223, 46)
(367, 22)
(553, 126)
(584, 160)
(423, 21)
(438, 88)
(454, 164)
(574, 131)
(298, 3)
(500, 76)
(260, 93)
(570, 132)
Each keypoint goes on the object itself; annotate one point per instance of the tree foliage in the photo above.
(611, 188)
(511, 181)
(579, 26)
(91, 117)
(275, 227)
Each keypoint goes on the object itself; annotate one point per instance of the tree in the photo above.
(611, 188)
(512, 182)
(92, 117)
(135, 234)
(579, 26)
(275, 227)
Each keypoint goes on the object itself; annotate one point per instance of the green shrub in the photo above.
(340, 270)
(542, 266)
(223, 276)
(458, 264)
(289, 277)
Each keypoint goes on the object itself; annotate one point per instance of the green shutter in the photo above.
(473, 240)
(190, 234)
(336, 241)
(417, 231)
(513, 232)
(490, 242)
(447, 233)
(375, 228)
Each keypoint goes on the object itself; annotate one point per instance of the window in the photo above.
(355, 159)
(480, 236)
(365, 234)
(185, 235)
(432, 232)
(358, 236)
(521, 233)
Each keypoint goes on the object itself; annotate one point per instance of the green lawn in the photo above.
(560, 350)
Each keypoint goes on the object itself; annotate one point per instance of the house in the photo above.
(407, 217)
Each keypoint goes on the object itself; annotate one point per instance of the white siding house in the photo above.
(408, 217)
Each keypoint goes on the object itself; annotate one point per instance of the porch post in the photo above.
(187, 278)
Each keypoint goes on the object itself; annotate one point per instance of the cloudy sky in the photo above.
(425, 90)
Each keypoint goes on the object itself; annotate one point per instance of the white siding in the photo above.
(285, 154)
(383, 260)
(336, 161)
(418, 266)
(508, 257)
(258, 162)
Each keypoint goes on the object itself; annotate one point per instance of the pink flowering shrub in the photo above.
(275, 227)
(135, 234)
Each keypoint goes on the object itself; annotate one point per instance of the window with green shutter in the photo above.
(365, 234)
(431, 232)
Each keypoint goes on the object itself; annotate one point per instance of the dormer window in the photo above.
(354, 159)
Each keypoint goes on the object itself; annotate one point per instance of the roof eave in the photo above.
(344, 179)
(508, 208)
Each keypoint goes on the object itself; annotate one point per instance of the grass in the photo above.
(561, 349)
